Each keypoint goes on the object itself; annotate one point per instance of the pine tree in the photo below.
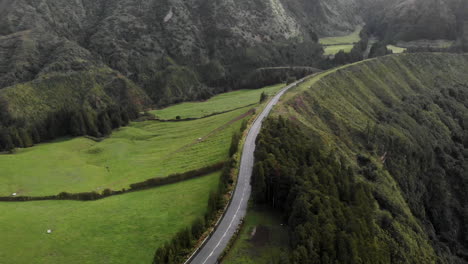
(160, 256)
(198, 227)
(124, 116)
(6, 142)
(115, 117)
(258, 182)
(25, 138)
(52, 127)
(16, 138)
(77, 124)
(36, 138)
(105, 125)
(234, 144)
(90, 120)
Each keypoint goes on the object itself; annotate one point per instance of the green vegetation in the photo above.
(372, 157)
(91, 102)
(132, 154)
(263, 239)
(119, 229)
(216, 104)
(34, 101)
(332, 50)
(160, 222)
(333, 45)
(347, 39)
(396, 49)
(332, 215)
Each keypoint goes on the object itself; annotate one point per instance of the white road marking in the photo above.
(245, 168)
(230, 224)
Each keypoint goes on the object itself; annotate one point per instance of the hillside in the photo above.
(403, 20)
(60, 59)
(122, 198)
(173, 49)
(368, 162)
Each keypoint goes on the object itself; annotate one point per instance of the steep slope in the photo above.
(67, 56)
(409, 20)
(204, 40)
(373, 157)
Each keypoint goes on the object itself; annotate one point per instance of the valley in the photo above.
(333, 45)
(379, 153)
(140, 221)
(247, 131)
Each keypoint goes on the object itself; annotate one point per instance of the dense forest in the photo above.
(18, 133)
(370, 163)
(331, 213)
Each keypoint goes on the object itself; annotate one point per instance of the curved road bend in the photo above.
(214, 246)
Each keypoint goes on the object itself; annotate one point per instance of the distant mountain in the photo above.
(409, 20)
(60, 56)
(172, 49)
(68, 56)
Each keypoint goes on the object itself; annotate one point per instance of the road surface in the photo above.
(214, 246)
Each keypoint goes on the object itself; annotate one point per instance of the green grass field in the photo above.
(131, 154)
(266, 246)
(332, 50)
(125, 228)
(120, 229)
(396, 49)
(339, 40)
(216, 104)
(141, 151)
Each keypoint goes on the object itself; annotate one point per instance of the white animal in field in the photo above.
(49, 231)
(168, 16)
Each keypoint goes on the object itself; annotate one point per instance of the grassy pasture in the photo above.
(396, 49)
(332, 50)
(124, 228)
(216, 104)
(132, 154)
(339, 40)
(119, 229)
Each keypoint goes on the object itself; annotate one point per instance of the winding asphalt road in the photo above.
(217, 242)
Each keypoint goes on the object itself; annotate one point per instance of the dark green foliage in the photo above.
(330, 213)
(290, 80)
(198, 227)
(90, 121)
(16, 133)
(273, 75)
(263, 97)
(77, 124)
(6, 142)
(235, 143)
(105, 124)
(400, 121)
(393, 21)
(26, 138)
(243, 125)
(379, 49)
